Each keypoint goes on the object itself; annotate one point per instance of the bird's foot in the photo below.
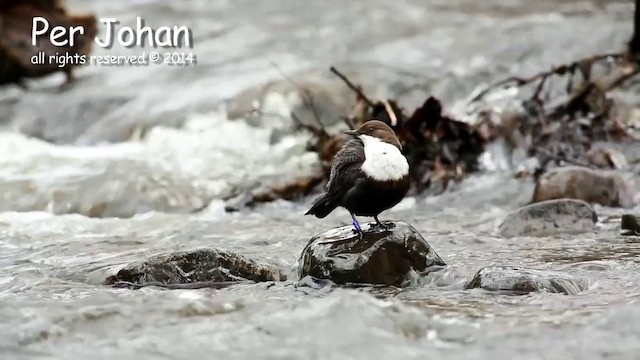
(380, 224)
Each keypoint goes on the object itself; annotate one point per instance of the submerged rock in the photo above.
(382, 256)
(547, 217)
(630, 224)
(523, 281)
(197, 266)
(574, 182)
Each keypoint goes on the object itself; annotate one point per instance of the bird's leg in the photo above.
(356, 225)
(379, 223)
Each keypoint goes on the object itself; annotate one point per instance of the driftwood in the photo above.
(16, 50)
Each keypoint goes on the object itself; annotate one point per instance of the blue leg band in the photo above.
(356, 225)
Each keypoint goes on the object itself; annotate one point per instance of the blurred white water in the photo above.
(170, 170)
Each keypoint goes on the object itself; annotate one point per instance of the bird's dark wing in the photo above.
(345, 170)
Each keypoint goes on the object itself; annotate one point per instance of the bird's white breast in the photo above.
(383, 161)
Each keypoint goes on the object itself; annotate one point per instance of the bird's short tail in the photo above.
(322, 206)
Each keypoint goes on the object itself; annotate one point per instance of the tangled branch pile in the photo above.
(560, 127)
(439, 149)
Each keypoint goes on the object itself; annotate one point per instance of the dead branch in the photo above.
(622, 79)
(305, 94)
(320, 133)
(560, 70)
(356, 89)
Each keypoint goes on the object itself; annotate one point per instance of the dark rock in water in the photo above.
(630, 224)
(523, 281)
(548, 217)
(382, 256)
(573, 182)
(197, 266)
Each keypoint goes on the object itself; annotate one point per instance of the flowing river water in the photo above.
(113, 169)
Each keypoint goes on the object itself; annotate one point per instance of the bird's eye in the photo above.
(370, 129)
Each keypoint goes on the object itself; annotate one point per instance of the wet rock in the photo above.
(523, 281)
(547, 217)
(382, 256)
(573, 182)
(197, 266)
(630, 224)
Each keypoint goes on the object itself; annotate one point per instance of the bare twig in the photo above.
(556, 70)
(536, 94)
(351, 86)
(392, 115)
(319, 132)
(307, 96)
(314, 130)
(623, 78)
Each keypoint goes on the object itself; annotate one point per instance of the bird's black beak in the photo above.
(351, 132)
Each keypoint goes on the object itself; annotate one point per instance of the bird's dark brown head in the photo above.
(377, 129)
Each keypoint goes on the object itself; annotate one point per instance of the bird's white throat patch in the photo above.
(383, 161)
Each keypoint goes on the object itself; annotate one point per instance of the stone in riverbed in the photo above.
(549, 217)
(630, 225)
(201, 265)
(383, 257)
(523, 281)
(574, 182)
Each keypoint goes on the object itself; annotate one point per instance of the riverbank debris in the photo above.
(564, 112)
(559, 122)
(439, 148)
(20, 60)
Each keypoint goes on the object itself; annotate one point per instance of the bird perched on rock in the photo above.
(368, 176)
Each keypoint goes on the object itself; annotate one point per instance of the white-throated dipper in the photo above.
(368, 176)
